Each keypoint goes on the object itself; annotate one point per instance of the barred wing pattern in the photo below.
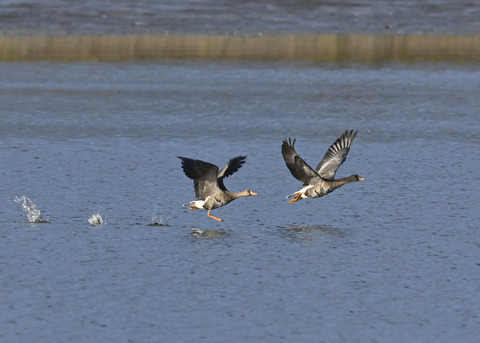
(336, 155)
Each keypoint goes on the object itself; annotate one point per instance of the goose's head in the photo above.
(246, 193)
(357, 178)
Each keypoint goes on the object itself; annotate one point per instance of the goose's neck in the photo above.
(345, 180)
(240, 194)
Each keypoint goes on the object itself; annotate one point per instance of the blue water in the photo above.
(393, 258)
(59, 17)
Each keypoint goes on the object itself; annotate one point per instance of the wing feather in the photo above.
(297, 166)
(232, 166)
(204, 175)
(336, 155)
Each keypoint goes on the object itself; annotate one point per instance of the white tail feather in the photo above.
(195, 203)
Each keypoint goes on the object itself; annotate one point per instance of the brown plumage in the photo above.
(320, 181)
(210, 190)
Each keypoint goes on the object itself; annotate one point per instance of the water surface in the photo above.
(393, 258)
(31, 17)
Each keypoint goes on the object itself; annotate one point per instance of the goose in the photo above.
(210, 191)
(319, 182)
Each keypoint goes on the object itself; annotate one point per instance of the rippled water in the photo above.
(233, 17)
(393, 258)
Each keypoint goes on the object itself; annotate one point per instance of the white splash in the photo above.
(154, 214)
(157, 221)
(95, 219)
(33, 213)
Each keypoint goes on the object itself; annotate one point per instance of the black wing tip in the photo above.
(187, 165)
(352, 133)
(185, 158)
(240, 160)
(185, 161)
(347, 138)
(232, 166)
(289, 142)
(288, 148)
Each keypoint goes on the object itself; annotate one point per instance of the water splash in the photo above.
(33, 213)
(95, 219)
(157, 221)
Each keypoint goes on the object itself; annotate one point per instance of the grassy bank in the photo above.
(319, 47)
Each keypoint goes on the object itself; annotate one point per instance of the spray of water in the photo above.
(95, 219)
(157, 221)
(33, 213)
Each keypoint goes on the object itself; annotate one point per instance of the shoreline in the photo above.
(324, 48)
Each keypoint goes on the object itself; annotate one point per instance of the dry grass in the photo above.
(320, 48)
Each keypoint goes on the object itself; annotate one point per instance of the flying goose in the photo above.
(319, 182)
(210, 191)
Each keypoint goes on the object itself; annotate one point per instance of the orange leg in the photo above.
(193, 208)
(298, 197)
(220, 220)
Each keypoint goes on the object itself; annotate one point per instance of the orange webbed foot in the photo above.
(298, 197)
(193, 208)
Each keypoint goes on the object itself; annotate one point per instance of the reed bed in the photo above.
(363, 48)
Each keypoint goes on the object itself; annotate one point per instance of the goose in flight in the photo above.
(319, 182)
(210, 191)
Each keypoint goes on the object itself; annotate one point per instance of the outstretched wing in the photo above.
(297, 166)
(336, 155)
(231, 167)
(204, 176)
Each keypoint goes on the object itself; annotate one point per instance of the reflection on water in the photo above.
(309, 228)
(207, 232)
(301, 232)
